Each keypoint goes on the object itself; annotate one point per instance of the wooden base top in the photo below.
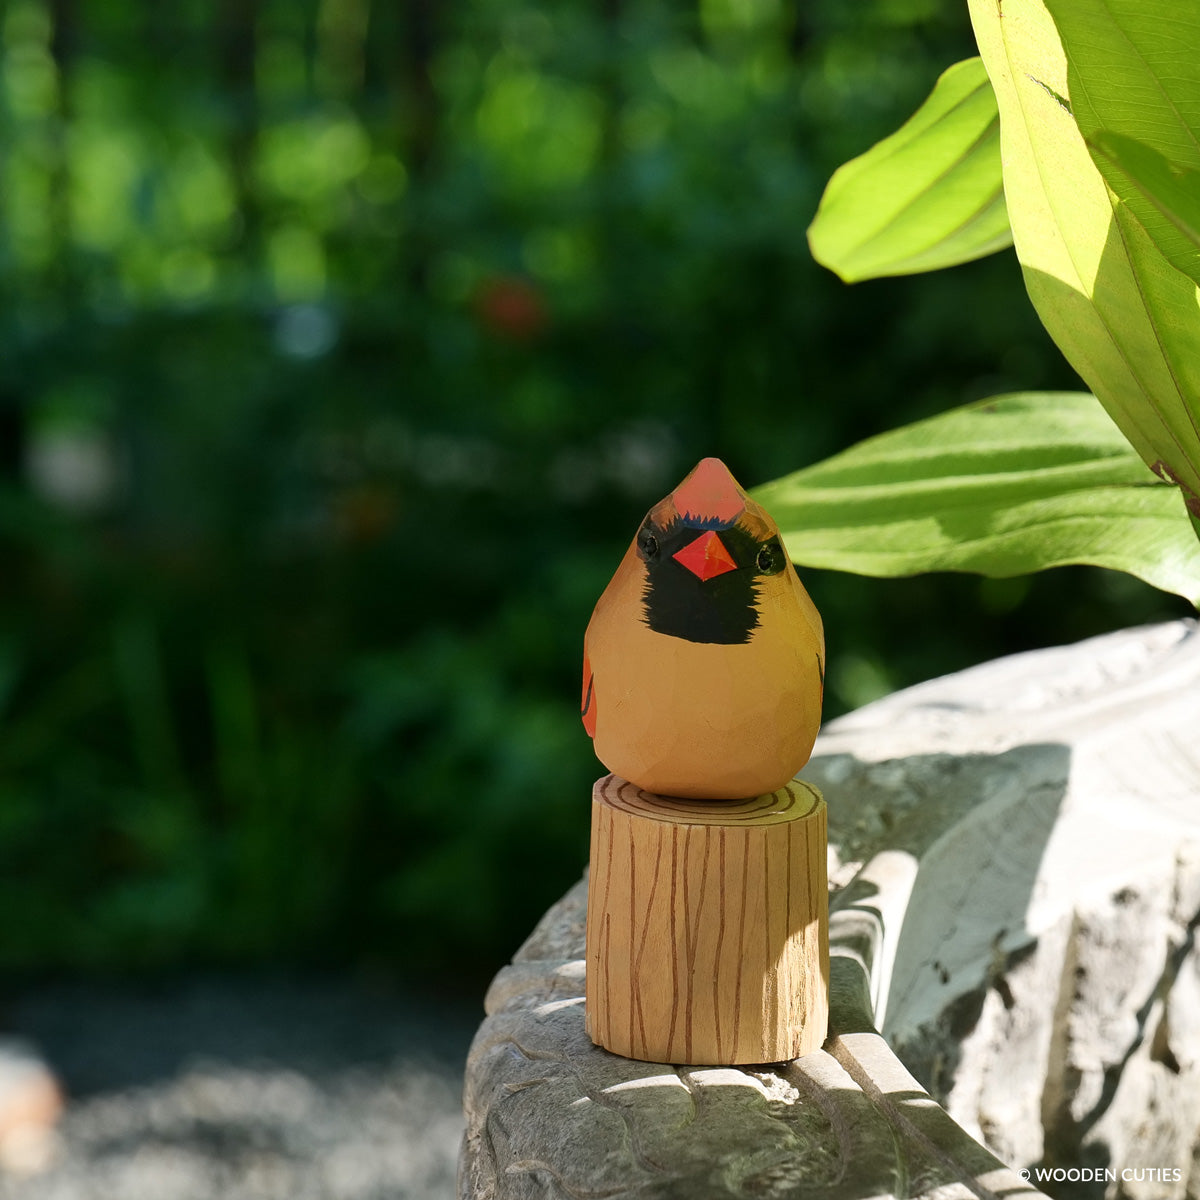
(791, 803)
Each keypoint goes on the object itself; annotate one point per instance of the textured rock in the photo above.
(1046, 985)
(1021, 927)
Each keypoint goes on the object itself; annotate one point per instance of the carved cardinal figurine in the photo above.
(704, 661)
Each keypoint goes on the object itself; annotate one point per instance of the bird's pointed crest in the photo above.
(710, 493)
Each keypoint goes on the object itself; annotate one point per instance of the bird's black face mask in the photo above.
(702, 580)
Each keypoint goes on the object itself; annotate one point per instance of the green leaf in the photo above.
(929, 196)
(1124, 317)
(1009, 485)
(1140, 176)
(1133, 69)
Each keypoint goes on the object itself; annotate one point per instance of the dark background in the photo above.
(342, 347)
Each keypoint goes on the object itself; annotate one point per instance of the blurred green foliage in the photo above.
(342, 347)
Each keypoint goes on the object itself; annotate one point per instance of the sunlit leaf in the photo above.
(1123, 316)
(1009, 485)
(1133, 70)
(929, 196)
(1137, 172)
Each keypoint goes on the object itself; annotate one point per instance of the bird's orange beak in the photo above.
(706, 557)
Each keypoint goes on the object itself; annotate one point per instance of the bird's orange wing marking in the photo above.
(587, 707)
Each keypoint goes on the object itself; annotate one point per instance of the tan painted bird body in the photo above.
(704, 658)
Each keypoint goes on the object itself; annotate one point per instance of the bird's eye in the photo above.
(770, 558)
(649, 545)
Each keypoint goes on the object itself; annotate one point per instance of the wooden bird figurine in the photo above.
(704, 661)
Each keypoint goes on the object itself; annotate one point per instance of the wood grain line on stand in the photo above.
(741, 937)
(674, 939)
(716, 1013)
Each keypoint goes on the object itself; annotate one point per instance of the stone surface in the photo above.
(1046, 986)
(1021, 925)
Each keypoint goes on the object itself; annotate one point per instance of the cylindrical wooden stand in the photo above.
(707, 926)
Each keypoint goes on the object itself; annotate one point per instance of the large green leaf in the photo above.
(1139, 173)
(1133, 69)
(1013, 484)
(929, 196)
(1123, 316)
